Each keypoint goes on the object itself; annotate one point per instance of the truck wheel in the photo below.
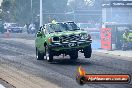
(87, 51)
(73, 55)
(39, 56)
(49, 55)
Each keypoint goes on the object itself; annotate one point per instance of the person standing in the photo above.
(125, 39)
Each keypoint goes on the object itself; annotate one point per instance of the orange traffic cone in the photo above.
(7, 34)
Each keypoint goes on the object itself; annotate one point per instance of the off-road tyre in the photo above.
(87, 51)
(39, 56)
(73, 55)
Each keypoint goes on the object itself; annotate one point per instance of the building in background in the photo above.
(116, 18)
(85, 11)
(117, 11)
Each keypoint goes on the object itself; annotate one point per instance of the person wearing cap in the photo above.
(125, 34)
(54, 21)
(127, 39)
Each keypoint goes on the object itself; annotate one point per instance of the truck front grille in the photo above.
(68, 38)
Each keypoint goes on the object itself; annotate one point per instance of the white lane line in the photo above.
(1, 86)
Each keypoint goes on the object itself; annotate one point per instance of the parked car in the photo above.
(13, 27)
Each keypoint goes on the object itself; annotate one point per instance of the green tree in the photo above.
(6, 7)
(20, 10)
(6, 4)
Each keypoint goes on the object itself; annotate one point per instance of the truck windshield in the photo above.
(59, 27)
(72, 27)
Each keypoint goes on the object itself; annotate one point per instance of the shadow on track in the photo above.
(67, 61)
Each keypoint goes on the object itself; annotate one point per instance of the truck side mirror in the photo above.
(39, 34)
(82, 29)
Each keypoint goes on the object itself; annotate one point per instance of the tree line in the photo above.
(22, 12)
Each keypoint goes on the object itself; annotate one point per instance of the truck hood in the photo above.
(68, 33)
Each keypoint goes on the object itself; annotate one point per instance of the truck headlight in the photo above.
(84, 36)
(55, 39)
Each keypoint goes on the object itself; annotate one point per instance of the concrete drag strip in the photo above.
(1, 86)
(5, 84)
(115, 53)
(24, 61)
(21, 79)
(25, 41)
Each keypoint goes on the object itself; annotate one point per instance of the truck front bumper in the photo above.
(73, 45)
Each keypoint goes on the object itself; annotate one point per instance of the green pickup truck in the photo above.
(62, 38)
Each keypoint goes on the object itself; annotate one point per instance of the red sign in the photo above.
(106, 38)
